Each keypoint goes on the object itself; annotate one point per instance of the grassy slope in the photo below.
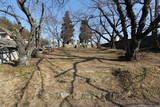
(82, 77)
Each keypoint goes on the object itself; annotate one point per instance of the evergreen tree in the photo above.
(85, 32)
(67, 29)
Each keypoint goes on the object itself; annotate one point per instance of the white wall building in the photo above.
(8, 51)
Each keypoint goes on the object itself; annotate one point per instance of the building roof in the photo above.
(2, 32)
(7, 43)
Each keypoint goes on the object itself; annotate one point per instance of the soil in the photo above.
(82, 78)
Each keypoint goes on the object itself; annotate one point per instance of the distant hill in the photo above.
(4, 22)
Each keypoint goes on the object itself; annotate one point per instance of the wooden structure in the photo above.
(8, 50)
(8, 54)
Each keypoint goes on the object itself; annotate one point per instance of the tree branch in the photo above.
(21, 4)
(142, 21)
(131, 16)
(122, 18)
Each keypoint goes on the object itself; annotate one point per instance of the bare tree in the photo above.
(51, 27)
(25, 49)
(96, 39)
(135, 25)
(29, 9)
(108, 20)
(139, 30)
(155, 32)
(100, 33)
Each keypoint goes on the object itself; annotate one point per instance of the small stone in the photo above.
(64, 94)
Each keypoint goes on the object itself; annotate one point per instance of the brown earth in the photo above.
(82, 78)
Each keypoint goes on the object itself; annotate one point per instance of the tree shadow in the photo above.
(25, 87)
(128, 82)
(86, 80)
(125, 79)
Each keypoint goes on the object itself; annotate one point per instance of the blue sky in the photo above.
(71, 5)
(75, 5)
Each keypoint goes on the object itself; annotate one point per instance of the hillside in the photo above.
(82, 78)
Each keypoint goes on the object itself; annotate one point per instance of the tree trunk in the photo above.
(24, 60)
(84, 44)
(63, 45)
(112, 44)
(25, 53)
(91, 43)
(155, 32)
(98, 45)
(156, 44)
(25, 57)
(133, 49)
(58, 43)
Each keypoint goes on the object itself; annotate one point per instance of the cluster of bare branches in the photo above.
(25, 49)
(29, 18)
(125, 19)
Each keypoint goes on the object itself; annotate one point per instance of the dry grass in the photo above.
(85, 77)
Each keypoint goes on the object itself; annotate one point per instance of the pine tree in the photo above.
(67, 29)
(85, 32)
